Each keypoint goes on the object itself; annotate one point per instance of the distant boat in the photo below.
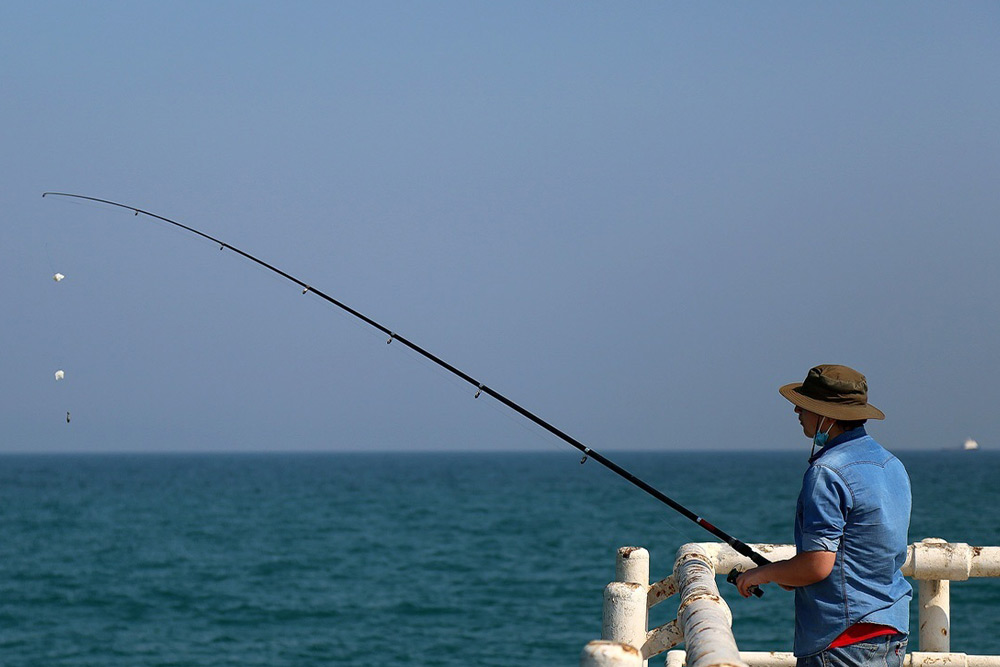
(970, 445)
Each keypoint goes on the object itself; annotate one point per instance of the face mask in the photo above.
(819, 440)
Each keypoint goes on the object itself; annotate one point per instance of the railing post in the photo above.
(626, 606)
(625, 614)
(934, 615)
(632, 565)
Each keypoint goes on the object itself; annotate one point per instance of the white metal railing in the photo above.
(704, 622)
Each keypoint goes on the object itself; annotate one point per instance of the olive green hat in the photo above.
(833, 391)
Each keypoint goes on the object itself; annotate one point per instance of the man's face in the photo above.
(809, 421)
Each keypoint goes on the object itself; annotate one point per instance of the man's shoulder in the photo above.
(860, 451)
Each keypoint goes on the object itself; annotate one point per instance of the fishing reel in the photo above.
(736, 572)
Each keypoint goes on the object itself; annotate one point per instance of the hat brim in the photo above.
(832, 410)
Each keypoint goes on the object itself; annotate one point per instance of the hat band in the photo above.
(826, 396)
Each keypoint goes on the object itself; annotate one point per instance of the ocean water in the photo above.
(415, 559)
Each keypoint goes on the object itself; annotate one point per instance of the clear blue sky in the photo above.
(636, 219)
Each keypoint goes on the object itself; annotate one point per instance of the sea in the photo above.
(497, 558)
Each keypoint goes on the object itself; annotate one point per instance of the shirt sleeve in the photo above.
(825, 503)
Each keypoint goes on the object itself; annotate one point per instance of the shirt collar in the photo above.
(846, 436)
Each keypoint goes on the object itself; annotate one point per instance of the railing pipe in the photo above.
(924, 659)
(934, 558)
(609, 654)
(677, 658)
(702, 614)
(704, 622)
(932, 562)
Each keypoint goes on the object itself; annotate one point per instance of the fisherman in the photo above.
(851, 521)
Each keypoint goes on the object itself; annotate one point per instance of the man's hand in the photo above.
(756, 577)
(803, 569)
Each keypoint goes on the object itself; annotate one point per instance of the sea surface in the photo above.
(400, 559)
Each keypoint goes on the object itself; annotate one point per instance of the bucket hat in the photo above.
(833, 391)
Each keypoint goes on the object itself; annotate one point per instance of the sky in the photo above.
(636, 220)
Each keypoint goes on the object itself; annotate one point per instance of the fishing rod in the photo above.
(740, 547)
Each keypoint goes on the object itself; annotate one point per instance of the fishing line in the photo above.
(394, 337)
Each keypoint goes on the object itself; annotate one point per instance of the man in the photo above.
(851, 519)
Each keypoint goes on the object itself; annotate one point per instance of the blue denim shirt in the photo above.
(855, 502)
